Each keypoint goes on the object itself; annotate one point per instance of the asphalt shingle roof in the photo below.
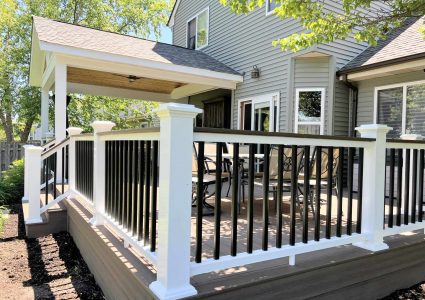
(76, 36)
(402, 43)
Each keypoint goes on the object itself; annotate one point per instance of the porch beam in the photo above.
(48, 78)
(189, 90)
(138, 68)
(105, 91)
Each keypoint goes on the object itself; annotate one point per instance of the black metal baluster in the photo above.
(199, 200)
(120, 181)
(294, 191)
(414, 185)
(129, 183)
(329, 195)
(155, 171)
(391, 190)
(421, 185)
(147, 192)
(235, 200)
(55, 173)
(360, 192)
(115, 179)
(46, 180)
(406, 186)
(134, 206)
(63, 171)
(217, 204)
(340, 192)
(125, 186)
(306, 192)
(266, 197)
(317, 195)
(140, 205)
(351, 152)
(399, 184)
(279, 195)
(250, 208)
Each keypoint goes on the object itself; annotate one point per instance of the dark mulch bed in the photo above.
(414, 292)
(50, 267)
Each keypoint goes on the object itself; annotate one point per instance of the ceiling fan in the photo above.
(131, 78)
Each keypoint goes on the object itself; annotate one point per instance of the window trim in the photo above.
(261, 99)
(207, 9)
(321, 123)
(268, 13)
(404, 85)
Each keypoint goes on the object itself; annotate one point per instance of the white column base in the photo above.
(162, 293)
(34, 221)
(374, 247)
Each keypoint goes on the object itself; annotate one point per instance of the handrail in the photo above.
(130, 131)
(280, 134)
(400, 141)
(54, 149)
(49, 144)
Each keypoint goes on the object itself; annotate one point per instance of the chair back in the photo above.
(324, 163)
(287, 162)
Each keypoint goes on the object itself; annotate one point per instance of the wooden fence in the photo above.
(9, 152)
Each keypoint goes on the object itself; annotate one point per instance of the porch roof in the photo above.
(403, 44)
(167, 65)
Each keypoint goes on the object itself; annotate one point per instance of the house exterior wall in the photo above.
(366, 88)
(242, 41)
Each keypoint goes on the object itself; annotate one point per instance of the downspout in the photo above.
(353, 106)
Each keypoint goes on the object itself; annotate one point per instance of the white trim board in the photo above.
(322, 108)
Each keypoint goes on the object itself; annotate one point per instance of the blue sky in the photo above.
(166, 36)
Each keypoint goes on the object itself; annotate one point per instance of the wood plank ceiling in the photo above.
(99, 78)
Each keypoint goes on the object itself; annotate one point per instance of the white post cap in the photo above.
(412, 137)
(74, 130)
(371, 130)
(102, 126)
(33, 149)
(178, 109)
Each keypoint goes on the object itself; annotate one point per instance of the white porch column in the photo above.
(60, 110)
(44, 113)
(174, 204)
(99, 171)
(373, 187)
(33, 165)
(72, 131)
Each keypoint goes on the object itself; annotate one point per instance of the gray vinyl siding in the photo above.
(313, 73)
(366, 88)
(241, 41)
(341, 109)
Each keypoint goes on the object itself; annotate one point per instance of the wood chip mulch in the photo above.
(50, 267)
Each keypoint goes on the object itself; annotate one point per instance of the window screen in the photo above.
(415, 109)
(390, 109)
(191, 34)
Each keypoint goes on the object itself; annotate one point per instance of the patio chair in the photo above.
(209, 177)
(324, 174)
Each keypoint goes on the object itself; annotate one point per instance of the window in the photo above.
(401, 107)
(309, 118)
(270, 6)
(197, 30)
(260, 113)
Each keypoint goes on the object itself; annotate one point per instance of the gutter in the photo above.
(353, 109)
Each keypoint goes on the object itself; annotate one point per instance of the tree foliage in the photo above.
(19, 103)
(365, 20)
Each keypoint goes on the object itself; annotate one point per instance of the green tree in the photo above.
(360, 19)
(19, 103)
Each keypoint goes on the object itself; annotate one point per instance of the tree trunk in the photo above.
(27, 129)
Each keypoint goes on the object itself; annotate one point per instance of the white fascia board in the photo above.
(94, 90)
(388, 70)
(178, 70)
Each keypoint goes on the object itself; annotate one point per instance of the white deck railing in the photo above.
(171, 252)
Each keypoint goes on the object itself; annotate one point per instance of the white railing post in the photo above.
(27, 175)
(72, 131)
(373, 206)
(174, 205)
(99, 170)
(33, 166)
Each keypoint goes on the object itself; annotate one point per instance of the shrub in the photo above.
(2, 219)
(12, 183)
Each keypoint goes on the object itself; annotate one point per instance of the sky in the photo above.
(166, 36)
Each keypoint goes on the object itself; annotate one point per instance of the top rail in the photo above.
(278, 138)
(405, 144)
(131, 134)
(56, 147)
